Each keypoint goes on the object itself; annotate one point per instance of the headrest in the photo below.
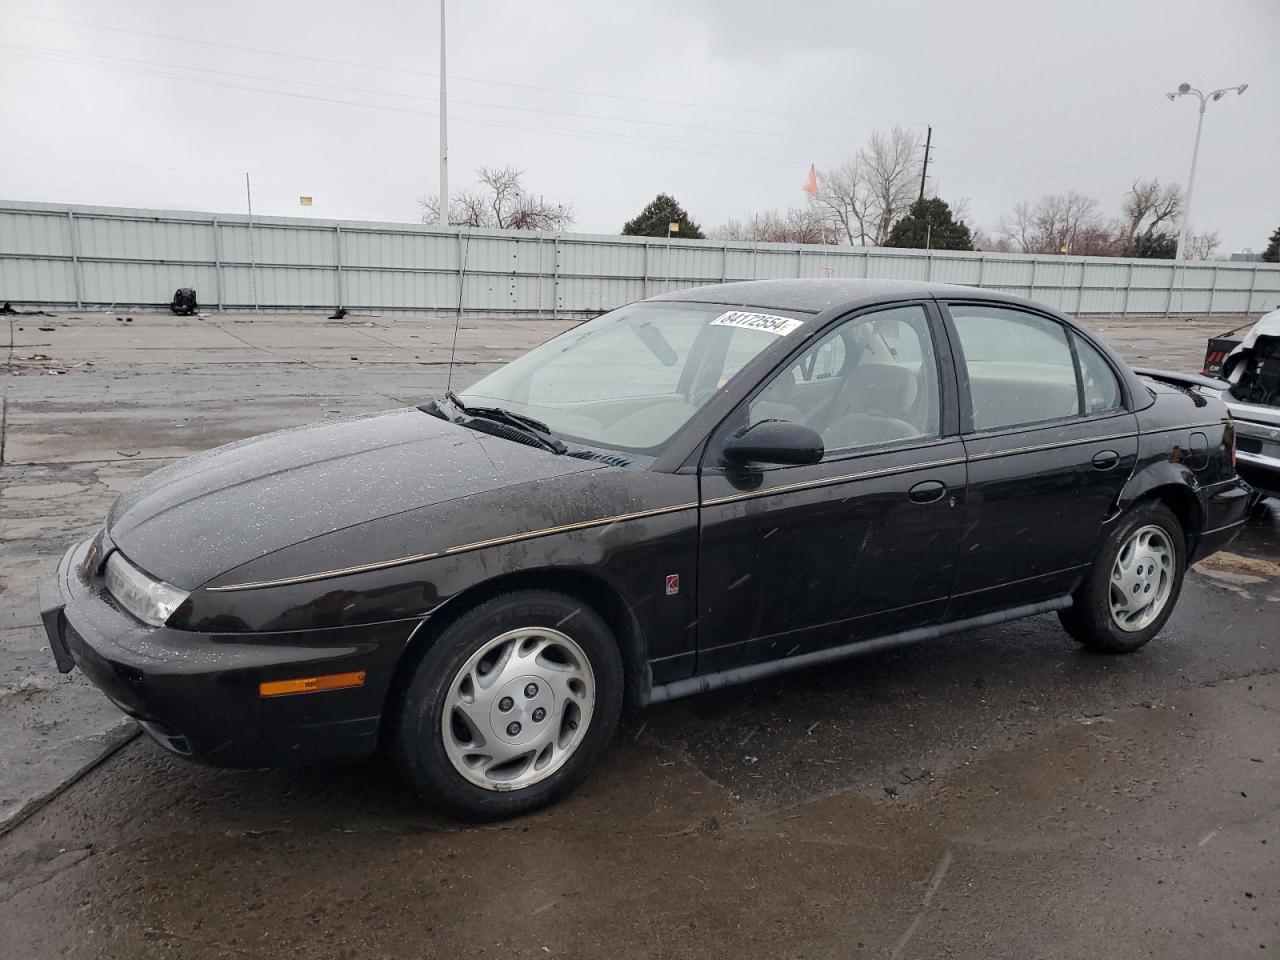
(882, 389)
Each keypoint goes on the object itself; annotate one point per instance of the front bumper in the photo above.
(197, 694)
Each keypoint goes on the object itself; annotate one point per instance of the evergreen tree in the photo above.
(1272, 253)
(929, 224)
(655, 219)
(1155, 246)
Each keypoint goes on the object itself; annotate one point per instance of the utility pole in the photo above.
(924, 171)
(444, 130)
(253, 260)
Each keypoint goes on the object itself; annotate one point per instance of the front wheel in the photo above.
(1134, 584)
(510, 706)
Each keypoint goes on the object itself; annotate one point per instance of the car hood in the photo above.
(202, 516)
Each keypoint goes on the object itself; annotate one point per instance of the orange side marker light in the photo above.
(334, 681)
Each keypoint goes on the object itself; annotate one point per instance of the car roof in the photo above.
(816, 295)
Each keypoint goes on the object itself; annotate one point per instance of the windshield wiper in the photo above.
(528, 425)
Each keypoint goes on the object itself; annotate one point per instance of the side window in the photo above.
(1101, 389)
(872, 380)
(1019, 366)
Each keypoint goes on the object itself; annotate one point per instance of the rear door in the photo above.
(794, 558)
(1049, 445)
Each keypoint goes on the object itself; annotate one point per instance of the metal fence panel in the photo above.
(35, 233)
(70, 255)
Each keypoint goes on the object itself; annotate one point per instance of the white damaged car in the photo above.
(1245, 375)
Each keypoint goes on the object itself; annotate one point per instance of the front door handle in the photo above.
(1106, 460)
(927, 491)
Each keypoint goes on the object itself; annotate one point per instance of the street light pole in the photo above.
(1181, 251)
(1205, 99)
(444, 131)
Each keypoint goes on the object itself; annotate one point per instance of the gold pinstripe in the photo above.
(829, 481)
(568, 527)
(991, 454)
(451, 551)
(1186, 426)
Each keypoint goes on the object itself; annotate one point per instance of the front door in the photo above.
(862, 544)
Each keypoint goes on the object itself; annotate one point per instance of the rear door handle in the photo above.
(1106, 460)
(927, 491)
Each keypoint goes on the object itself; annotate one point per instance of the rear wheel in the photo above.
(1134, 584)
(510, 707)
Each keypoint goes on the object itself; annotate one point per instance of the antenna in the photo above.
(457, 321)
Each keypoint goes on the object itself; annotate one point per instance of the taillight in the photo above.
(1229, 436)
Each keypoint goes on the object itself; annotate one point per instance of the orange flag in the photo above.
(811, 182)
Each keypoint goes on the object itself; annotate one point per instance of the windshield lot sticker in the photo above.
(767, 322)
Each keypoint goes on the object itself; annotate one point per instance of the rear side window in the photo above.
(1019, 366)
(1101, 389)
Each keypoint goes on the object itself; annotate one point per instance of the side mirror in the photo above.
(775, 441)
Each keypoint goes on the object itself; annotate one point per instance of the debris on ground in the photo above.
(35, 683)
(339, 313)
(1235, 563)
(8, 311)
(184, 302)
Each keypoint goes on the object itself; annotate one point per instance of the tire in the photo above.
(1112, 618)
(510, 707)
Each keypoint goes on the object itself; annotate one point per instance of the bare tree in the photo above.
(1097, 240)
(1059, 223)
(1017, 228)
(892, 169)
(797, 225)
(1149, 207)
(844, 194)
(959, 207)
(502, 203)
(870, 192)
(994, 242)
(1202, 246)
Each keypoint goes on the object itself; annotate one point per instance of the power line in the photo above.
(1057, 148)
(426, 73)
(602, 136)
(95, 58)
(151, 69)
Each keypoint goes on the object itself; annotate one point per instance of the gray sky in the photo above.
(723, 103)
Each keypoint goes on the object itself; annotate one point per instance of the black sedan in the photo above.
(700, 489)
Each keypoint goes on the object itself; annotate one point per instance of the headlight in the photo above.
(151, 601)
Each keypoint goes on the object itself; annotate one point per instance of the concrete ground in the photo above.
(997, 794)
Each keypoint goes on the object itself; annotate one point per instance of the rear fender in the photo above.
(1172, 483)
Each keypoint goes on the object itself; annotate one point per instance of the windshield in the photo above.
(631, 378)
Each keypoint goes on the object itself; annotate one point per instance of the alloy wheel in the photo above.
(518, 708)
(1141, 578)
